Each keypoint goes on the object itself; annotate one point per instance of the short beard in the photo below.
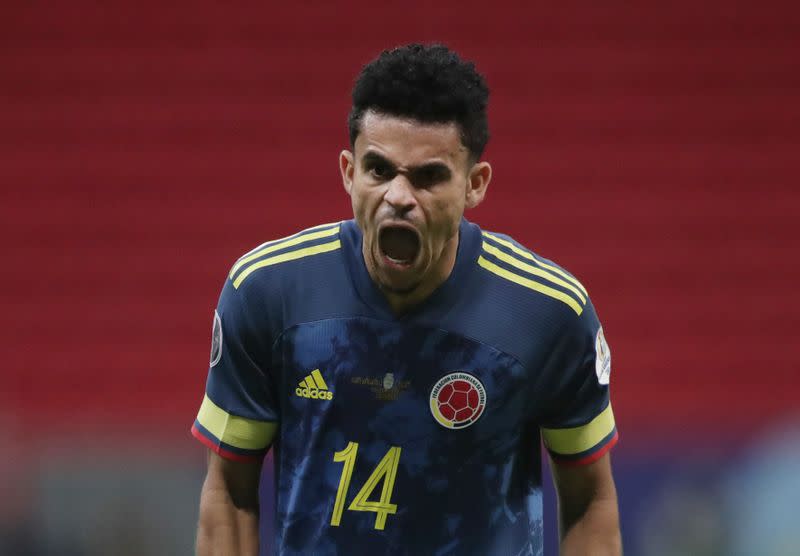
(398, 291)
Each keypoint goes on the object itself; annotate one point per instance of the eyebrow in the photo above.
(372, 157)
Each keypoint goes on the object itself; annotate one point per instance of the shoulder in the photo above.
(538, 311)
(522, 303)
(284, 257)
(530, 279)
(293, 279)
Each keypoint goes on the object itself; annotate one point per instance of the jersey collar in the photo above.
(440, 301)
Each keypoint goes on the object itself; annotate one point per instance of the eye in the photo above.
(427, 177)
(379, 171)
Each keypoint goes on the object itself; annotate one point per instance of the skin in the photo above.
(228, 521)
(419, 176)
(587, 508)
(416, 175)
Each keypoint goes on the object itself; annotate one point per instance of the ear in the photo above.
(347, 168)
(478, 180)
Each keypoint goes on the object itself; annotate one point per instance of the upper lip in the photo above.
(398, 224)
(404, 224)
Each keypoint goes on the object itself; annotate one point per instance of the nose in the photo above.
(400, 194)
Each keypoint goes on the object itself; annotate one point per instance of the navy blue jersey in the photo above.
(416, 434)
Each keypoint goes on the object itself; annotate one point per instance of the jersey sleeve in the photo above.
(239, 413)
(579, 426)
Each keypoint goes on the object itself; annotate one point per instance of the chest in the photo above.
(367, 379)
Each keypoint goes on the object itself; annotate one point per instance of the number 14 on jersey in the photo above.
(386, 470)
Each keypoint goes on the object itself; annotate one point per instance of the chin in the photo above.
(398, 289)
(399, 282)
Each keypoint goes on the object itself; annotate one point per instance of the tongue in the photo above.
(399, 244)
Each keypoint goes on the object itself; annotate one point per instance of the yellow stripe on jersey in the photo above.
(283, 257)
(575, 440)
(297, 239)
(309, 382)
(317, 376)
(531, 284)
(239, 432)
(530, 269)
(542, 264)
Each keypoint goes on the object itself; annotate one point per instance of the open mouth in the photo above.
(400, 245)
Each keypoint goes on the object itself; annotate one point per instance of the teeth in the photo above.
(397, 261)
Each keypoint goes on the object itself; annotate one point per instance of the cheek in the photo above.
(448, 209)
(364, 201)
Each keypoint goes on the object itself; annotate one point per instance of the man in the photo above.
(402, 365)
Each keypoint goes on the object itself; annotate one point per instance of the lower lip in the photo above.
(391, 263)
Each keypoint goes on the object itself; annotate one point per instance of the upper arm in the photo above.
(229, 512)
(578, 427)
(238, 416)
(579, 486)
(237, 480)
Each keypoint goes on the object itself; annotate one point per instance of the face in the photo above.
(410, 183)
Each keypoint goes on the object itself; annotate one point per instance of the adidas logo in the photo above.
(314, 387)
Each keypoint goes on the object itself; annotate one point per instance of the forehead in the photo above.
(410, 142)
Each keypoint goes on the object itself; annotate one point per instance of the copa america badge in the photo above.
(216, 341)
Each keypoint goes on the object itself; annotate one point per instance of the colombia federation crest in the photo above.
(457, 400)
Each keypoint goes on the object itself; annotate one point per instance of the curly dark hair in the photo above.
(427, 83)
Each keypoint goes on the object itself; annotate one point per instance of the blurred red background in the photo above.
(652, 150)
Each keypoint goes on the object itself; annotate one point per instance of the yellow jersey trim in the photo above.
(283, 257)
(542, 264)
(531, 284)
(530, 269)
(239, 432)
(297, 239)
(568, 442)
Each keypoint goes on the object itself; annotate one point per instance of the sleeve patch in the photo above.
(602, 362)
(216, 341)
